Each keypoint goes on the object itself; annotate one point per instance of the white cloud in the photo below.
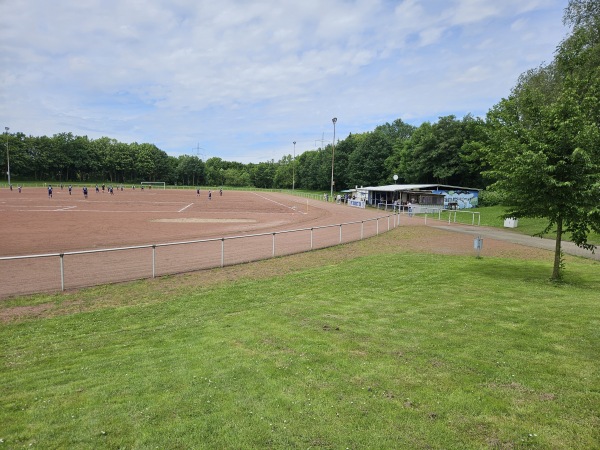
(244, 78)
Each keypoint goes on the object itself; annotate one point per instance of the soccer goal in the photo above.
(154, 184)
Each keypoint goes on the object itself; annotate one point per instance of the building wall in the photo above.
(464, 198)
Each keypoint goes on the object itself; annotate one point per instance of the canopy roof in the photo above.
(413, 187)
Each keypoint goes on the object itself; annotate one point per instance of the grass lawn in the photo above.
(491, 217)
(359, 346)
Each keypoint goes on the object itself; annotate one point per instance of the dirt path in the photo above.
(521, 239)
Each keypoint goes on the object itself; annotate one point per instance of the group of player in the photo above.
(209, 193)
(105, 188)
(108, 189)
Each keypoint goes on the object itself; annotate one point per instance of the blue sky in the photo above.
(242, 80)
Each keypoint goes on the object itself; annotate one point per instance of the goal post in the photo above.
(156, 184)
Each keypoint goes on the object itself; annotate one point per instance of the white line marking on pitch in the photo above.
(293, 208)
(185, 207)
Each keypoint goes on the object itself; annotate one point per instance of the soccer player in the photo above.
(50, 191)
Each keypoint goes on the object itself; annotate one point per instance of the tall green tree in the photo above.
(545, 138)
(284, 173)
(367, 162)
(314, 169)
(262, 174)
(343, 150)
(190, 170)
(448, 152)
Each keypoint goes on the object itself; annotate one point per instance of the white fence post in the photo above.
(222, 252)
(62, 272)
(154, 261)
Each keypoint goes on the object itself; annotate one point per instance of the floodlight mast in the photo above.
(334, 120)
(7, 156)
(294, 168)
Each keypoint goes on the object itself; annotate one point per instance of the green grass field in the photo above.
(359, 346)
(491, 217)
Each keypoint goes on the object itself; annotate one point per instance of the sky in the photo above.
(242, 80)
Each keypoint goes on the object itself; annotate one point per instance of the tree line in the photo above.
(448, 151)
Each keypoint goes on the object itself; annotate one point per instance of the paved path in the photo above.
(518, 238)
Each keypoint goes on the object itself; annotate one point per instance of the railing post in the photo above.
(274, 245)
(222, 252)
(362, 229)
(153, 260)
(62, 272)
(340, 233)
(311, 238)
(388, 223)
(377, 221)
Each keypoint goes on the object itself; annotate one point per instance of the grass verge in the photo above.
(359, 346)
(491, 217)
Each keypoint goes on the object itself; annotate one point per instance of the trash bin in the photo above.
(511, 222)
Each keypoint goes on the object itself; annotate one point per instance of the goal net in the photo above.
(154, 184)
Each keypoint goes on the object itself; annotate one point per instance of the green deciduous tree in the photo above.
(448, 151)
(314, 169)
(262, 174)
(545, 139)
(284, 173)
(366, 164)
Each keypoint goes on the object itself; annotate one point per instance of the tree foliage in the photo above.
(545, 138)
(447, 152)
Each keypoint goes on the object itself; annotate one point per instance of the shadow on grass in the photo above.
(583, 276)
(511, 271)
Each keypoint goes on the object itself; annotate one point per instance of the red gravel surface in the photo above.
(33, 223)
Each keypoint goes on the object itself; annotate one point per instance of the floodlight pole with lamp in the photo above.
(334, 120)
(7, 156)
(294, 168)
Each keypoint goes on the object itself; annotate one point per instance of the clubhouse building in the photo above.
(422, 197)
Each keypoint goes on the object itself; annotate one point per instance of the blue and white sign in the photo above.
(357, 203)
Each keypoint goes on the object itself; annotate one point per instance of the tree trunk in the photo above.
(556, 275)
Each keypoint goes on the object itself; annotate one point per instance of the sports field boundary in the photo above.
(77, 269)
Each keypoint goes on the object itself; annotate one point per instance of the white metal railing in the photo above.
(29, 274)
(452, 214)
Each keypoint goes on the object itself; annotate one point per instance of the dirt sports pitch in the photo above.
(33, 223)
